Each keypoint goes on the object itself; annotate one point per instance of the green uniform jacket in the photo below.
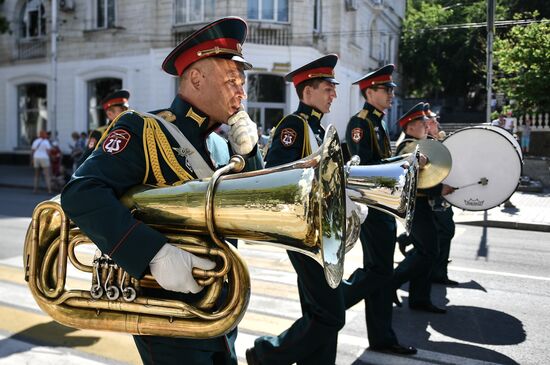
(366, 136)
(91, 198)
(290, 140)
(122, 160)
(93, 139)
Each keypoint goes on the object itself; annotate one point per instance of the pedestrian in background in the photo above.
(526, 135)
(40, 151)
(77, 149)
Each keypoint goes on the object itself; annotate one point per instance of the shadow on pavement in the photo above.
(472, 284)
(49, 334)
(476, 325)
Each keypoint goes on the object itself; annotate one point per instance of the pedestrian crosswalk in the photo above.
(27, 333)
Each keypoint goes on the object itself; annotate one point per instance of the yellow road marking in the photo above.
(33, 326)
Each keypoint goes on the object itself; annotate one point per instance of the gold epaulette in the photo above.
(363, 114)
(167, 115)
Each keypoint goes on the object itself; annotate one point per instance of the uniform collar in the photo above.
(410, 137)
(191, 116)
(310, 114)
(373, 113)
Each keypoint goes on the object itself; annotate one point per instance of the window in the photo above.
(374, 45)
(271, 10)
(32, 111)
(33, 20)
(97, 90)
(390, 43)
(317, 16)
(193, 11)
(266, 99)
(105, 14)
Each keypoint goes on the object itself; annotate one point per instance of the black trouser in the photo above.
(372, 282)
(445, 232)
(417, 267)
(313, 338)
(155, 350)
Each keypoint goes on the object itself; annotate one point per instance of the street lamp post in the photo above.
(53, 97)
(490, 30)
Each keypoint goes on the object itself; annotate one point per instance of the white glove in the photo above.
(355, 216)
(243, 134)
(172, 269)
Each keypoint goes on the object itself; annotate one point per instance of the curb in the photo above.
(15, 186)
(509, 225)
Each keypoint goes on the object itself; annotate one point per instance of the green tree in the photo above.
(443, 45)
(523, 61)
(440, 54)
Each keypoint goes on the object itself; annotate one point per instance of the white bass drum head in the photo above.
(486, 167)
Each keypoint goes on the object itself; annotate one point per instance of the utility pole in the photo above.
(490, 31)
(53, 97)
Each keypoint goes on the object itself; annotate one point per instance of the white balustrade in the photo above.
(539, 122)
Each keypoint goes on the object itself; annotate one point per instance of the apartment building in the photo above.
(53, 77)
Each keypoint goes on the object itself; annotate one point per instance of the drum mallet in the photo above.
(483, 181)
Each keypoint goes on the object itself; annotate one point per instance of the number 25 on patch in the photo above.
(116, 141)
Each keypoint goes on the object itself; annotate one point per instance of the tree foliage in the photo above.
(439, 60)
(443, 55)
(523, 61)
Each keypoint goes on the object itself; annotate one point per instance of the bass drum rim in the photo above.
(502, 133)
(509, 136)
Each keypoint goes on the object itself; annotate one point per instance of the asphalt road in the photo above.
(498, 313)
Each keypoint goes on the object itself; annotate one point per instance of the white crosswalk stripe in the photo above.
(279, 308)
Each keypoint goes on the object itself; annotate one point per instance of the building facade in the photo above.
(102, 45)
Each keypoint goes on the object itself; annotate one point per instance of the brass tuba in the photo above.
(299, 206)
(389, 187)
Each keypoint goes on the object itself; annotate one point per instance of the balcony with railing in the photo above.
(30, 48)
(258, 33)
(270, 34)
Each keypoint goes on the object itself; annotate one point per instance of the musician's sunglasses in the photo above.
(388, 90)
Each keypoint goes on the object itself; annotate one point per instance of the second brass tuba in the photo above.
(299, 206)
(389, 187)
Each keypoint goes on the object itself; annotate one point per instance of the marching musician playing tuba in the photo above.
(311, 339)
(367, 137)
(145, 148)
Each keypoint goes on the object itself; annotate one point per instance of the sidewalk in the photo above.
(532, 210)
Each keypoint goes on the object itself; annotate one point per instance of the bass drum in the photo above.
(486, 168)
(505, 134)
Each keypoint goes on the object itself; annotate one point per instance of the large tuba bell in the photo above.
(299, 206)
(389, 187)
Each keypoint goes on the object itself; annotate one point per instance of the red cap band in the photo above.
(382, 79)
(312, 73)
(409, 118)
(209, 48)
(114, 102)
